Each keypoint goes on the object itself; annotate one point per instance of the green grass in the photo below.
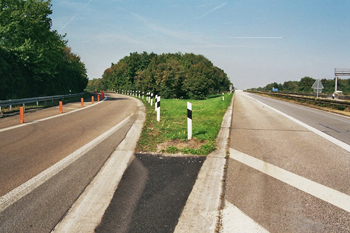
(206, 122)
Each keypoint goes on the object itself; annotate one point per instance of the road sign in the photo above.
(317, 86)
(342, 72)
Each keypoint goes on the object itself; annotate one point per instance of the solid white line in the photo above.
(318, 132)
(22, 190)
(87, 212)
(51, 117)
(234, 220)
(320, 191)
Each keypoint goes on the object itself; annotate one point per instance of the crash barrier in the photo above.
(23, 102)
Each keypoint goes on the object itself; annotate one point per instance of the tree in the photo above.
(305, 84)
(170, 75)
(50, 67)
(197, 82)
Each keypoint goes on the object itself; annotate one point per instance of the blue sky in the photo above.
(256, 42)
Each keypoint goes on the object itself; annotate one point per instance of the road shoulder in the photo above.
(202, 210)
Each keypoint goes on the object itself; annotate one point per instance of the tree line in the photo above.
(171, 75)
(305, 86)
(35, 60)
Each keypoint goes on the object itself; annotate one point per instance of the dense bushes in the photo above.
(169, 75)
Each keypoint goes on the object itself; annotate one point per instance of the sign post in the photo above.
(317, 86)
(340, 72)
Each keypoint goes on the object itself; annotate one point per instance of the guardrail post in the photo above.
(61, 107)
(21, 115)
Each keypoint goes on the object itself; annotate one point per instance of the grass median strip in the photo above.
(170, 134)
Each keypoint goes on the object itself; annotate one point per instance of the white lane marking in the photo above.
(234, 220)
(22, 190)
(318, 132)
(51, 117)
(317, 111)
(87, 212)
(320, 191)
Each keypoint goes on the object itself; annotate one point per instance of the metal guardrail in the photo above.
(334, 102)
(36, 100)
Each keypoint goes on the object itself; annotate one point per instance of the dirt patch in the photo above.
(180, 144)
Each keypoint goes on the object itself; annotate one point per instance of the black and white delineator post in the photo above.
(158, 108)
(189, 120)
(155, 102)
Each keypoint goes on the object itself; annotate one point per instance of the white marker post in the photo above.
(155, 102)
(223, 97)
(189, 120)
(151, 99)
(158, 109)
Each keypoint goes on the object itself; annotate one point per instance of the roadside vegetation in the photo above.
(170, 134)
(35, 60)
(171, 75)
(305, 86)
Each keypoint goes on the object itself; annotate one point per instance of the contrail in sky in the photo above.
(71, 20)
(256, 37)
(214, 9)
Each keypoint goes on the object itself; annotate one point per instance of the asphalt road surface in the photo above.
(151, 194)
(282, 176)
(28, 151)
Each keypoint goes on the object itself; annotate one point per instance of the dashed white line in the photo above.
(234, 220)
(320, 191)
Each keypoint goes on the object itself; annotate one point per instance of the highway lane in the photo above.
(335, 125)
(27, 151)
(283, 176)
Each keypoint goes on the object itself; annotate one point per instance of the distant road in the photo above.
(334, 125)
(283, 175)
(27, 151)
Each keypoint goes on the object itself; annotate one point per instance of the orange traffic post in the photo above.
(102, 95)
(82, 102)
(98, 98)
(92, 99)
(21, 115)
(61, 107)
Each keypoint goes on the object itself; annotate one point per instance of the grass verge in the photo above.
(170, 134)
